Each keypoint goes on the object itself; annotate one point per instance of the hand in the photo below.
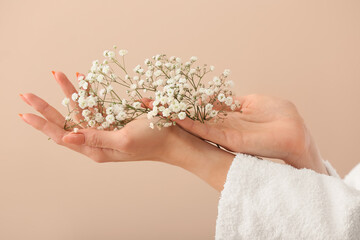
(136, 141)
(267, 127)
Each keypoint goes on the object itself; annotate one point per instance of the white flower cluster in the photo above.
(177, 89)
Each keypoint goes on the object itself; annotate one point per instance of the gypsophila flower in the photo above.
(99, 117)
(217, 81)
(193, 59)
(208, 107)
(229, 101)
(123, 52)
(137, 105)
(229, 84)
(213, 113)
(158, 64)
(109, 88)
(233, 107)
(226, 72)
(178, 90)
(74, 96)
(86, 113)
(91, 123)
(182, 115)
(105, 125)
(221, 97)
(166, 112)
(66, 102)
(91, 101)
(133, 86)
(121, 116)
(110, 118)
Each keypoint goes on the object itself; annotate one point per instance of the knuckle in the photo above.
(45, 108)
(40, 106)
(94, 140)
(58, 140)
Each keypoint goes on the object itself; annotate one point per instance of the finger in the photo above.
(145, 102)
(101, 146)
(66, 86)
(96, 138)
(48, 128)
(217, 105)
(57, 134)
(49, 112)
(68, 89)
(203, 130)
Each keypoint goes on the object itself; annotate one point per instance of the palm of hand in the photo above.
(136, 141)
(141, 142)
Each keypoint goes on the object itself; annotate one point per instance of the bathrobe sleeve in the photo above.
(266, 200)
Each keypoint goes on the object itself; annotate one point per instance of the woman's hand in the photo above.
(267, 127)
(136, 141)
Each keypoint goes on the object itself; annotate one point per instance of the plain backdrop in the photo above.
(305, 51)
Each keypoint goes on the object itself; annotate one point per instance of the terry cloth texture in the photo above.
(266, 200)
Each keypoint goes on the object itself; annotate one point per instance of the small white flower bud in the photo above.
(123, 52)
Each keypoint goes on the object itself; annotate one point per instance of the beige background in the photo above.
(305, 51)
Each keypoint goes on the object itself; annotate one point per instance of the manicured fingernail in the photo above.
(22, 117)
(53, 72)
(77, 75)
(74, 138)
(24, 99)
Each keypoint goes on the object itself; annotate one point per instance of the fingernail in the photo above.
(53, 72)
(74, 138)
(24, 99)
(77, 75)
(22, 117)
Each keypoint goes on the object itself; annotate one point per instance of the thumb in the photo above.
(93, 138)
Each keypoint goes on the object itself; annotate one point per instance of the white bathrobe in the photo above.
(266, 200)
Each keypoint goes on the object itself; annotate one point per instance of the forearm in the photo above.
(198, 157)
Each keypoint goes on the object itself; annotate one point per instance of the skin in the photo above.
(265, 126)
(135, 142)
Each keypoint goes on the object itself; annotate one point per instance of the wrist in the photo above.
(198, 157)
(310, 157)
(314, 159)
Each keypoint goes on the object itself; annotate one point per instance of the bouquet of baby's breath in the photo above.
(177, 88)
